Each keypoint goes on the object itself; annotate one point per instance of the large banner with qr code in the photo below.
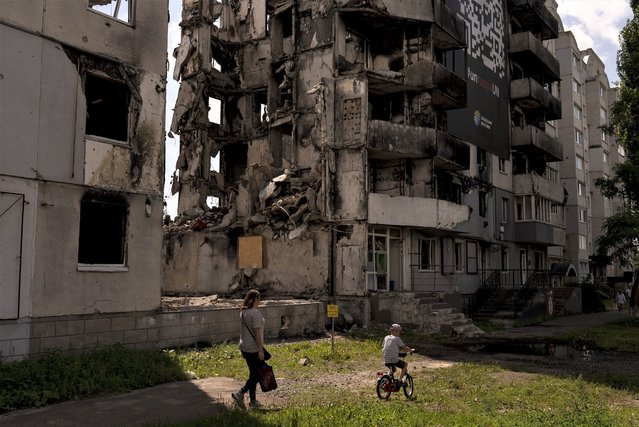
(485, 121)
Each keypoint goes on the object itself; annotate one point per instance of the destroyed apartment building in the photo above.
(389, 156)
(82, 132)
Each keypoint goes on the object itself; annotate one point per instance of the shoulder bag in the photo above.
(267, 378)
(267, 355)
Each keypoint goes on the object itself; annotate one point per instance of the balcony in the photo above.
(449, 31)
(539, 104)
(533, 16)
(534, 141)
(390, 140)
(530, 53)
(539, 233)
(448, 89)
(421, 212)
(525, 184)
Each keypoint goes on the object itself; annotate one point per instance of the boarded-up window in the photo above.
(250, 252)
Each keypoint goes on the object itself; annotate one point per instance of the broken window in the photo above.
(235, 161)
(260, 111)
(427, 250)
(483, 206)
(107, 108)
(448, 188)
(282, 32)
(103, 220)
(459, 256)
(122, 10)
(215, 111)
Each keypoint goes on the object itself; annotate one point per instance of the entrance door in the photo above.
(11, 207)
(384, 266)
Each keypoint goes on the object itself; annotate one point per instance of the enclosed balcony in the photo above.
(390, 140)
(369, 19)
(530, 54)
(534, 141)
(539, 233)
(532, 183)
(532, 15)
(403, 211)
(448, 89)
(537, 102)
(449, 31)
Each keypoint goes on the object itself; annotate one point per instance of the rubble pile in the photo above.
(287, 205)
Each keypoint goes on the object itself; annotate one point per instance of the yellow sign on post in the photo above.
(332, 314)
(332, 310)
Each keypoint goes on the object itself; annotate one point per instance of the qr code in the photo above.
(485, 22)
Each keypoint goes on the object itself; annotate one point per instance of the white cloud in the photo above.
(596, 24)
(602, 20)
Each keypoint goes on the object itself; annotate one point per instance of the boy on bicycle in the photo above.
(392, 345)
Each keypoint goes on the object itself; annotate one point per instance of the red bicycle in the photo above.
(387, 383)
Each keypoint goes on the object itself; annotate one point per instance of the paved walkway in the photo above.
(563, 324)
(197, 399)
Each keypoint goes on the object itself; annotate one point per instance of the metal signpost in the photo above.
(332, 314)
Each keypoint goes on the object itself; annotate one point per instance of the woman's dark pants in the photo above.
(254, 363)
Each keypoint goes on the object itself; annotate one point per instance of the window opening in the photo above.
(116, 9)
(215, 111)
(107, 108)
(103, 220)
(427, 254)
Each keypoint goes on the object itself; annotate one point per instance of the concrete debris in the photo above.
(287, 206)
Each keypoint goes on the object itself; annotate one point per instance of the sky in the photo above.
(594, 23)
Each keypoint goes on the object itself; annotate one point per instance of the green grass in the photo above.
(622, 335)
(56, 377)
(464, 395)
(468, 394)
(226, 360)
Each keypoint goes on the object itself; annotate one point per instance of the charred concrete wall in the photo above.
(300, 84)
(82, 132)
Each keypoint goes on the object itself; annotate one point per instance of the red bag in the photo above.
(267, 378)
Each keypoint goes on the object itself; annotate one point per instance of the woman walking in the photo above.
(251, 346)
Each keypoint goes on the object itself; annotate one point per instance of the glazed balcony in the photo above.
(537, 102)
(532, 15)
(539, 233)
(447, 88)
(526, 184)
(534, 141)
(529, 52)
(449, 30)
(403, 211)
(390, 140)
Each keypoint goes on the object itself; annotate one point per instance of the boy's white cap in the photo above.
(396, 327)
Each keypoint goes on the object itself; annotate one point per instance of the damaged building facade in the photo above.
(370, 152)
(82, 131)
(81, 170)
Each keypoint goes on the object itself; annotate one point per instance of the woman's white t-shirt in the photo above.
(250, 318)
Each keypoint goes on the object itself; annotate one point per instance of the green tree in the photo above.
(619, 242)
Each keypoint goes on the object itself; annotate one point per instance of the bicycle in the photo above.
(387, 383)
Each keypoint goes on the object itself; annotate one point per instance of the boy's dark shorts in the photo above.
(400, 364)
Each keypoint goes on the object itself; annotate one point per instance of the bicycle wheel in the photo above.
(384, 385)
(409, 387)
